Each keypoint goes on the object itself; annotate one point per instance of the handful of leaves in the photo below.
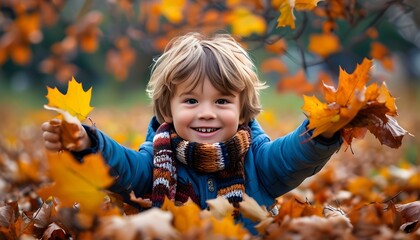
(353, 108)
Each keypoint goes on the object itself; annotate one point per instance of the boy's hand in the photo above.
(56, 138)
(327, 134)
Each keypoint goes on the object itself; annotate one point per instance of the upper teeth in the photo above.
(206, 129)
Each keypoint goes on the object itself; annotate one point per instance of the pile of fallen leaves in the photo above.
(366, 194)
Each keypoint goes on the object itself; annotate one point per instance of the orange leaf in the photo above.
(278, 47)
(381, 53)
(286, 18)
(227, 228)
(185, 217)
(297, 83)
(324, 44)
(274, 65)
(75, 182)
(342, 104)
(76, 101)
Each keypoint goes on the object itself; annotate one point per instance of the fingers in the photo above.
(51, 134)
(53, 146)
(51, 126)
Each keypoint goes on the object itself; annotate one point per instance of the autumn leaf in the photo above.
(278, 47)
(250, 209)
(185, 217)
(151, 224)
(287, 17)
(286, 7)
(71, 129)
(75, 182)
(295, 83)
(76, 101)
(274, 65)
(245, 23)
(172, 10)
(410, 213)
(227, 229)
(353, 104)
(381, 53)
(324, 44)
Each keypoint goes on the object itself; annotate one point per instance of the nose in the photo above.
(206, 111)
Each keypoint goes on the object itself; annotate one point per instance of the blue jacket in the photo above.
(272, 168)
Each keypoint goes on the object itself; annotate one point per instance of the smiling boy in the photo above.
(204, 140)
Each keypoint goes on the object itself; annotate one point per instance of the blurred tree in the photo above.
(48, 41)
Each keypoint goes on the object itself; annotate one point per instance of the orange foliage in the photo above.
(380, 52)
(119, 61)
(74, 182)
(324, 44)
(354, 105)
(296, 83)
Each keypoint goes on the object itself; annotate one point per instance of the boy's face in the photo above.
(204, 114)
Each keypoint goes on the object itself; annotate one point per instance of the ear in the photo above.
(168, 119)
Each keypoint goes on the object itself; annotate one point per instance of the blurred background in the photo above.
(110, 46)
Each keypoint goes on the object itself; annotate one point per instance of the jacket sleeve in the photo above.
(282, 164)
(132, 170)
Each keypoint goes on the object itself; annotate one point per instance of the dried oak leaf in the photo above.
(88, 181)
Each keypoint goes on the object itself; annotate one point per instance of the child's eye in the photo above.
(222, 101)
(191, 101)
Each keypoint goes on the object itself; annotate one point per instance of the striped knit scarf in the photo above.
(224, 159)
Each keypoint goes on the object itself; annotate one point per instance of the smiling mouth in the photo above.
(205, 130)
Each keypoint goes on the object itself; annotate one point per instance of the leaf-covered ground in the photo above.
(366, 192)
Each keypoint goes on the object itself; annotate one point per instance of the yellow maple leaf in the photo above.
(245, 23)
(75, 182)
(76, 101)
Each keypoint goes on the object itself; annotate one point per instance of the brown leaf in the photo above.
(7, 216)
(42, 217)
(410, 216)
(54, 232)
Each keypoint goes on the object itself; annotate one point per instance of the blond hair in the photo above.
(193, 57)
